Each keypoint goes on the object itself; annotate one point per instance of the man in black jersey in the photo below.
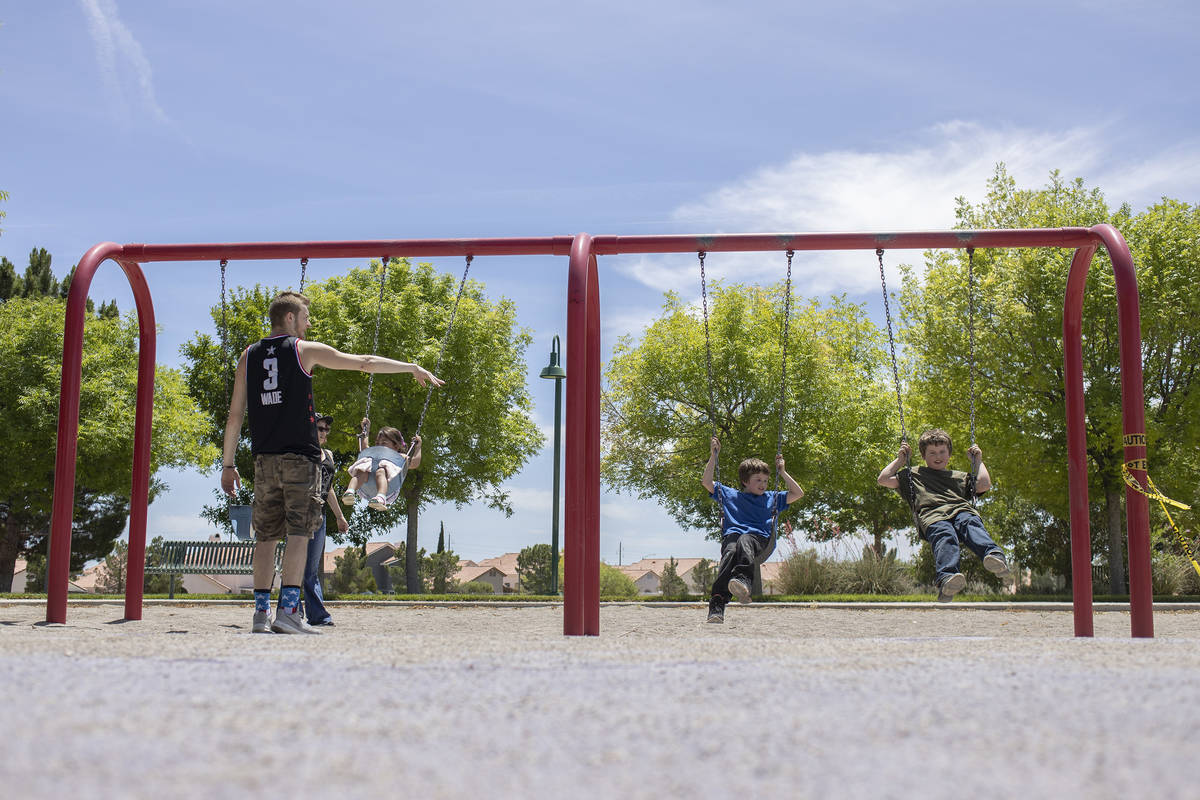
(274, 382)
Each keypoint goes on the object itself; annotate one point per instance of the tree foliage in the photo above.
(534, 568)
(836, 432)
(351, 574)
(703, 575)
(31, 336)
(1021, 416)
(671, 584)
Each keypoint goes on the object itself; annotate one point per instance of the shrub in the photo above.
(614, 583)
(873, 574)
(805, 572)
(476, 587)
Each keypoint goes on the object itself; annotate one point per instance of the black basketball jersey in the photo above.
(280, 400)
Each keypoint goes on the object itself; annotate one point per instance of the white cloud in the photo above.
(528, 499)
(910, 187)
(120, 56)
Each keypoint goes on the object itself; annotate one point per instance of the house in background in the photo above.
(469, 571)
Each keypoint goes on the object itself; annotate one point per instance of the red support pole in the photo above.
(575, 472)
(1077, 481)
(139, 496)
(1133, 417)
(591, 530)
(62, 509)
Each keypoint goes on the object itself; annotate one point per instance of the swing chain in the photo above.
(971, 330)
(787, 315)
(887, 312)
(445, 340)
(225, 332)
(303, 269)
(375, 343)
(712, 408)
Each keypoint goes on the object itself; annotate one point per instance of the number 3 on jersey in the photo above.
(271, 396)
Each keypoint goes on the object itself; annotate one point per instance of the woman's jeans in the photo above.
(314, 597)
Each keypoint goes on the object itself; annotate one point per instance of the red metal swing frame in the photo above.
(581, 612)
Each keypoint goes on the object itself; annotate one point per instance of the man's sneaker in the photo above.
(739, 589)
(262, 622)
(995, 564)
(348, 498)
(716, 612)
(950, 587)
(378, 502)
(291, 623)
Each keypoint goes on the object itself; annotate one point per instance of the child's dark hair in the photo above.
(934, 436)
(394, 434)
(751, 467)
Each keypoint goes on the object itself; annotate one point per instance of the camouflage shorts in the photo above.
(287, 496)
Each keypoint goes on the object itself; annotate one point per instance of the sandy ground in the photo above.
(441, 702)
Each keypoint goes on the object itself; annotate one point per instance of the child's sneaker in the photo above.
(716, 611)
(347, 498)
(950, 587)
(291, 623)
(739, 589)
(262, 622)
(378, 502)
(994, 563)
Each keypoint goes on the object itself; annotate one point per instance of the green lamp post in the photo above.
(555, 372)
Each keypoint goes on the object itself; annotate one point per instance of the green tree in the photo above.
(398, 572)
(836, 435)
(703, 575)
(9, 282)
(351, 575)
(615, 584)
(38, 280)
(533, 567)
(672, 585)
(30, 375)
(112, 575)
(439, 569)
(1021, 402)
(463, 458)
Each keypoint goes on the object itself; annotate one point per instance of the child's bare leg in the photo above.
(381, 481)
(356, 479)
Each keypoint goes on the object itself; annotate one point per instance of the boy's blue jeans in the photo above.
(946, 535)
(314, 597)
(738, 554)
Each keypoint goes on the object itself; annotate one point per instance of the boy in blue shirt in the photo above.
(746, 525)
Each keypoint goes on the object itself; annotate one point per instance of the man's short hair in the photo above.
(285, 303)
(751, 467)
(934, 436)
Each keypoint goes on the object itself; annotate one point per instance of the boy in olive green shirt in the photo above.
(941, 502)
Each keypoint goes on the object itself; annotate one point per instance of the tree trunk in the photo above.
(879, 551)
(10, 547)
(412, 558)
(1116, 554)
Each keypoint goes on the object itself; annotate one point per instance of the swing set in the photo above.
(581, 608)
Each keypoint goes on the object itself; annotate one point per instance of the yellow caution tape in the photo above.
(1134, 440)
(1163, 500)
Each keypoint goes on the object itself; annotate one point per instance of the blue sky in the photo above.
(234, 121)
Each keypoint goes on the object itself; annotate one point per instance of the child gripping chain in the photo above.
(748, 515)
(385, 462)
(940, 499)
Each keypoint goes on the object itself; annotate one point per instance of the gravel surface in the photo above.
(451, 702)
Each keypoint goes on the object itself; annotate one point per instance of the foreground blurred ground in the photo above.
(470, 701)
